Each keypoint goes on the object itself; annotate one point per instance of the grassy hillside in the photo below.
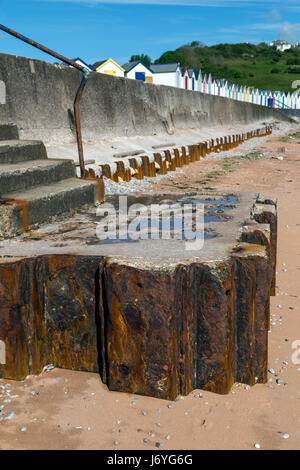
(260, 66)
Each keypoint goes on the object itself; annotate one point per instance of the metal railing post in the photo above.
(79, 91)
(78, 125)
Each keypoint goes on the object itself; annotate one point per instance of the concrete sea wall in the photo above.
(40, 95)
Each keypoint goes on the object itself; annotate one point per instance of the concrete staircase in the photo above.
(34, 188)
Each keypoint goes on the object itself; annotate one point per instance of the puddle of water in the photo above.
(114, 241)
(232, 200)
(211, 218)
(198, 235)
(172, 227)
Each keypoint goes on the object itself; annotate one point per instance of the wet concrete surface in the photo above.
(80, 234)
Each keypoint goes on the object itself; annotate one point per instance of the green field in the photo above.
(259, 66)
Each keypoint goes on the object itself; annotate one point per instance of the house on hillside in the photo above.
(167, 74)
(138, 71)
(281, 45)
(109, 67)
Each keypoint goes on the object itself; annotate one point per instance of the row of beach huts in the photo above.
(176, 76)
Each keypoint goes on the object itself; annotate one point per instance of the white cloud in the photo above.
(282, 30)
(289, 32)
(274, 16)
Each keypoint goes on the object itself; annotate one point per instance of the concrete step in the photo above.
(9, 132)
(25, 209)
(28, 174)
(15, 151)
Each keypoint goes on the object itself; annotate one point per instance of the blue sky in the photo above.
(96, 30)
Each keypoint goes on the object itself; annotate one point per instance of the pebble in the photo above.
(279, 381)
(272, 371)
(145, 440)
(11, 415)
(257, 446)
(133, 186)
(286, 436)
(158, 444)
(116, 443)
(24, 429)
(144, 413)
(48, 368)
(168, 437)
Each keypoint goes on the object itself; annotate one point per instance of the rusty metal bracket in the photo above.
(78, 125)
(79, 91)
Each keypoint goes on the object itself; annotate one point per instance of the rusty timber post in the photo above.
(79, 91)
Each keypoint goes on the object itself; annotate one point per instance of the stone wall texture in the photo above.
(40, 95)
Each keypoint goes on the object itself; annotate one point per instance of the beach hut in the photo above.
(138, 71)
(109, 67)
(167, 74)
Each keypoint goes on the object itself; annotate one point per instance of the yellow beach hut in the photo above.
(109, 67)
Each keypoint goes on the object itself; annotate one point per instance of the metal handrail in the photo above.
(285, 106)
(293, 111)
(78, 93)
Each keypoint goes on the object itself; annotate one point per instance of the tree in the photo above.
(143, 57)
(216, 60)
(170, 57)
(197, 45)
